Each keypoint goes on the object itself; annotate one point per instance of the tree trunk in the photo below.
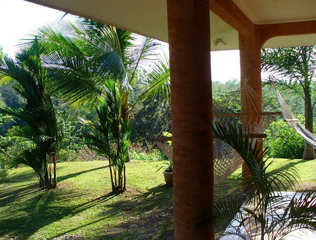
(309, 152)
(125, 116)
(47, 180)
(55, 168)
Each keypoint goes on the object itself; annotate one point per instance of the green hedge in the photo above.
(283, 141)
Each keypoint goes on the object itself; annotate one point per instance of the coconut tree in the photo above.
(37, 112)
(85, 55)
(268, 212)
(293, 69)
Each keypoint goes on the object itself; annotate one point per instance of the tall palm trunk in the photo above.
(55, 168)
(111, 174)
(125, 116)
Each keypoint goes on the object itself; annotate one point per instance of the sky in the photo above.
(18, 19)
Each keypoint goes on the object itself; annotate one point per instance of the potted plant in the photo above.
(168, 172)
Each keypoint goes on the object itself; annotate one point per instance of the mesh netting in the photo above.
(226, 159)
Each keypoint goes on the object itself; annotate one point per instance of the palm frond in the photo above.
(157, 84)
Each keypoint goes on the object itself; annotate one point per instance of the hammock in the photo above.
(226, 159)
(293, 122)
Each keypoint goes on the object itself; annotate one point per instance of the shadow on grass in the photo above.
(283, 167)
(9, 195)
(65, 177)
(147, 215)
(142, 215)
(15, 178)
(3, 174)
(25, 208)
(36, 209)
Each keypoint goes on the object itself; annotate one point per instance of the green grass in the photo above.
(305, 168)
(82, 208)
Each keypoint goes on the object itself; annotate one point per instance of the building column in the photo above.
(191, 104)
(250, 65)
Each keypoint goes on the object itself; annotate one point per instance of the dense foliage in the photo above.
(40, 129)
(283, 141)
(293, 69)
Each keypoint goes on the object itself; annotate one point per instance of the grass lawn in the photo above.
(82, 208)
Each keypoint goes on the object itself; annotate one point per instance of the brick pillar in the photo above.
(191, 102)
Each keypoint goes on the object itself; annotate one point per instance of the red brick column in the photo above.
(191, 99)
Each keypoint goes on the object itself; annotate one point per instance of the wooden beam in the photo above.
(229, 12)
(161, 139)
(268, 31)
(246, 114)
(164, 139)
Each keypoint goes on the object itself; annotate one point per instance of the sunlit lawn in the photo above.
(82, 208)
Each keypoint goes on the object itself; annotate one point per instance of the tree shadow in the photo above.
(148, 215)
(25, 209)
(41, 208)
(31, 208)
(13, 194)
(65, 177)
(284, 167)
(15, 178)
(144, 215)
(3, 174)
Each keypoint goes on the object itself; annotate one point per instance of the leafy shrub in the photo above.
(67, 155)
(86, 154)
(283, 141)
(11, 147)
(140, 154)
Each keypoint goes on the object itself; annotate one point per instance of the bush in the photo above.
(86, 154)
(140, 153)
(10, 149)
(67, 155)
(283, 141)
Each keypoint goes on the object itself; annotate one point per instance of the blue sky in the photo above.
(19, 18)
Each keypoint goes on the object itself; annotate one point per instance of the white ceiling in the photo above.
(149, 17)
(278, 11)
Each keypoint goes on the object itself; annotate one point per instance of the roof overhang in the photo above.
(149, 18)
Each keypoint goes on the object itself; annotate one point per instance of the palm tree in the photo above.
(295, 71)
(268, 213)
(109, 136)
(83, 56)
(37, 112)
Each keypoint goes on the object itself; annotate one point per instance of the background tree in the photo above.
(293, 69)
(38, 114)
